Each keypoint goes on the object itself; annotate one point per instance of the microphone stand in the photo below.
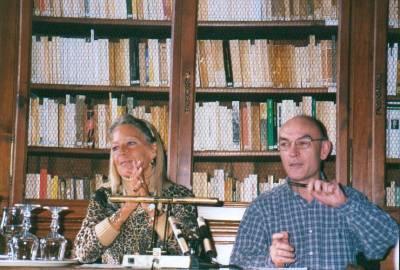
(172, 262)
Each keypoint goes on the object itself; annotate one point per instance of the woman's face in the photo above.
(130, 145)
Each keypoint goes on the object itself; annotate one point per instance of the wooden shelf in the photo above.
(272, 29)
(266, 90)
(61, 151)
(236, 153)
(99, 21)
(232, 156)
(102, 27)
(393, 160)
(256, 92)
(393, 98)
(161, 28)
(59, 89)
(262, 24)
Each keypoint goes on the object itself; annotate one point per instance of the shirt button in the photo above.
(311, 253)
(310, 231)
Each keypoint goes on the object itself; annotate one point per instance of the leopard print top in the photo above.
(135, 235)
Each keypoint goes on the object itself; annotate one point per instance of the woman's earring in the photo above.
(153, 163)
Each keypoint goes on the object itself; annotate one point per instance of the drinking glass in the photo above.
(26, 244)
(9, 227)
(53, 246)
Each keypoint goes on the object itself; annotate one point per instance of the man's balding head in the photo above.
(309, 122)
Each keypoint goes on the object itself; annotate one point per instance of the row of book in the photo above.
(393, 195)
(394, 13)
(208, 10)
(254, 126)
(268, 10)
(220, 63)
(221, 185)
(105, 9)
(393, 129)
(71, 122)
(229, 189)
(266, 63)
(43, 185)
(91, 61)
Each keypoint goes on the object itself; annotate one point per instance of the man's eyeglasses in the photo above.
(300, 143)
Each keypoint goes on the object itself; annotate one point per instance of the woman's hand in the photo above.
(136, 185)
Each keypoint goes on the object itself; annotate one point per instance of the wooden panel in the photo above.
(342, 118)
(367, 84)
(361, 87)
(24, 47)
(8, 76)
(182, 96)
(378, 94)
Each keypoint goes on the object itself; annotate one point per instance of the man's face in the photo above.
(300, 160)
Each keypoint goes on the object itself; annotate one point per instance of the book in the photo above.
(271, 125)
(263, 126)
(235, 63)
(244, 49)
(227, 63)
(203, 63)
(200, 184)
(43, 184)
(218, 57)
(244, 129)
(164, 66)
(236, 138)
(134, 61)
(255, 126)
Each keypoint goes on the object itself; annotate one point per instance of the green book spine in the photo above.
(129, 9)
(314, 108)
(271, 124)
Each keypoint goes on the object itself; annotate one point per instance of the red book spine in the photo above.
(43, 184)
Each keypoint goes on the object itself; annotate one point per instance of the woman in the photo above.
(137, 168)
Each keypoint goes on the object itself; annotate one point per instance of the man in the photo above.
(310, 222)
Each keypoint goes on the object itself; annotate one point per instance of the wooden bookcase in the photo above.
(392, 96)
(360, 121)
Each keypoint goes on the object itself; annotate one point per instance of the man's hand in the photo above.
(281, 251)
(328, 193)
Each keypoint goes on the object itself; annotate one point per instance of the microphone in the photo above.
(178, 235)
(205, 237)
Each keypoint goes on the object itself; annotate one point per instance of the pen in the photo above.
(296, 184)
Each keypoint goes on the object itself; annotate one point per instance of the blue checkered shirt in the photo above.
(323, 237)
